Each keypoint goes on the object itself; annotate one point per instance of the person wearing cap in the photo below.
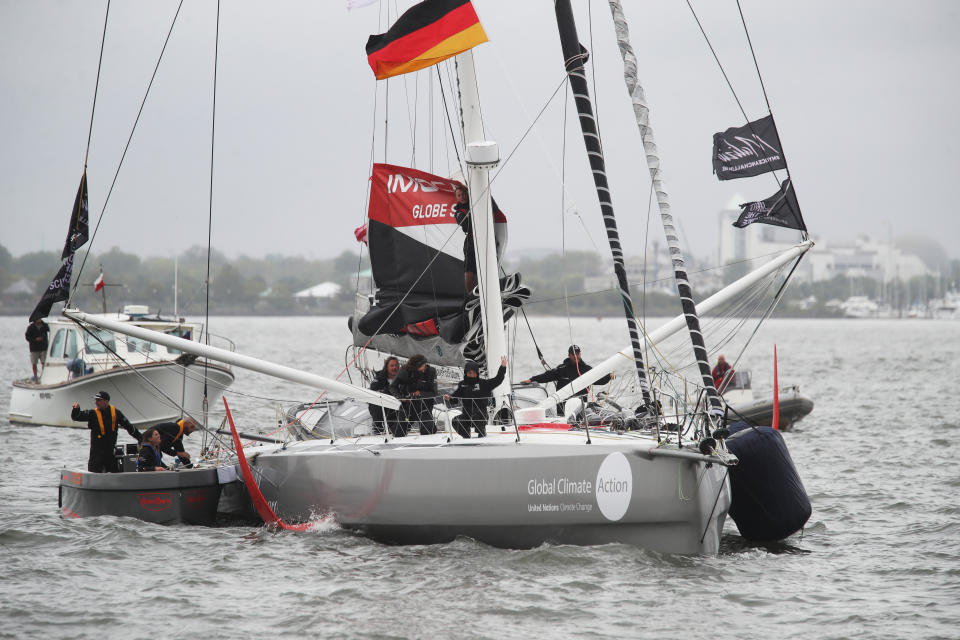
(103, 422)
(171, 438)
(473, 393)
(570, 369)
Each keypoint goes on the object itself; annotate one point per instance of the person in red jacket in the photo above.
(722, 374)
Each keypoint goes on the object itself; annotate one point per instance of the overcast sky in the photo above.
(865, 95)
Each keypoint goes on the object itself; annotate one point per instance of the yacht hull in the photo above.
(50, 404)
(549, 487)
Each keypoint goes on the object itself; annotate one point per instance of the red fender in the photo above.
(253, 488)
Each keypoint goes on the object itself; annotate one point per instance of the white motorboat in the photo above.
(147, 381)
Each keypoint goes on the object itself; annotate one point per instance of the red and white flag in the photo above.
(98, 283)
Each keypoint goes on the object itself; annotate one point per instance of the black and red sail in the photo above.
(416, 256)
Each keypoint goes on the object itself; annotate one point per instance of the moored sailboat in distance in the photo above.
(536, 476)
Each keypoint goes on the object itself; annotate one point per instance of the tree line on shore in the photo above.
(265, 286)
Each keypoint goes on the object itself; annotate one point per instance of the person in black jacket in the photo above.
(461, 213)
(171, 438)
(473, 393)
(150, 458)
(416, 386)
(36, 335)
(570, 369)
(384, 418)
(103, 422)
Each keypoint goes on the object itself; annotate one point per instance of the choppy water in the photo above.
(880, 557)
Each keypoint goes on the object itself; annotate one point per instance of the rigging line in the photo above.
(129, 138)
(593, 72)
(643, 296)
(96, 87)
(766, 98)
(446, 111)
(213, 130)
(563, 218)
(775, 302)
(717, 58)
(754, 54)
(746, 118)
(412, 120)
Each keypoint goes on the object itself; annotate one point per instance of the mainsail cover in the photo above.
(416, 256)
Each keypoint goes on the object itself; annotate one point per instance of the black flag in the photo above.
(79, 229)
(741, 152)
(780, 209)
(57, 291)
(77, 235)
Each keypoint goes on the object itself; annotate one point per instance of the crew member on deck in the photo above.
(171, 438)
(416, 386)
(381, 382)
(473, 393)
(461, 212)
(103, 422)
(570, 369)
(722, 374)
(150, 458)
(36, 335)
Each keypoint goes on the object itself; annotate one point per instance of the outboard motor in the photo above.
(769, 501)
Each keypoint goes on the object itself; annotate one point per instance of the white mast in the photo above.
(483, 155)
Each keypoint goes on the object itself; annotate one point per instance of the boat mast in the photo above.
(642, 113)
(574, 56)
(482, 155)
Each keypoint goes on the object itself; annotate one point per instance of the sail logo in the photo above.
(614, 486)
(753, 146)
(397, 183)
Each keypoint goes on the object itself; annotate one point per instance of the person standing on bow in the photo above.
(150, 458)
(171, 438)
(722, 374)
(416, 386)
(384, 418)
(474, 393)
(570, 369)
(103, 422)
(37, 333)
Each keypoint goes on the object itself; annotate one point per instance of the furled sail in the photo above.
(417, 261)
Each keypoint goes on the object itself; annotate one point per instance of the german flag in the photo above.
(427, 33)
